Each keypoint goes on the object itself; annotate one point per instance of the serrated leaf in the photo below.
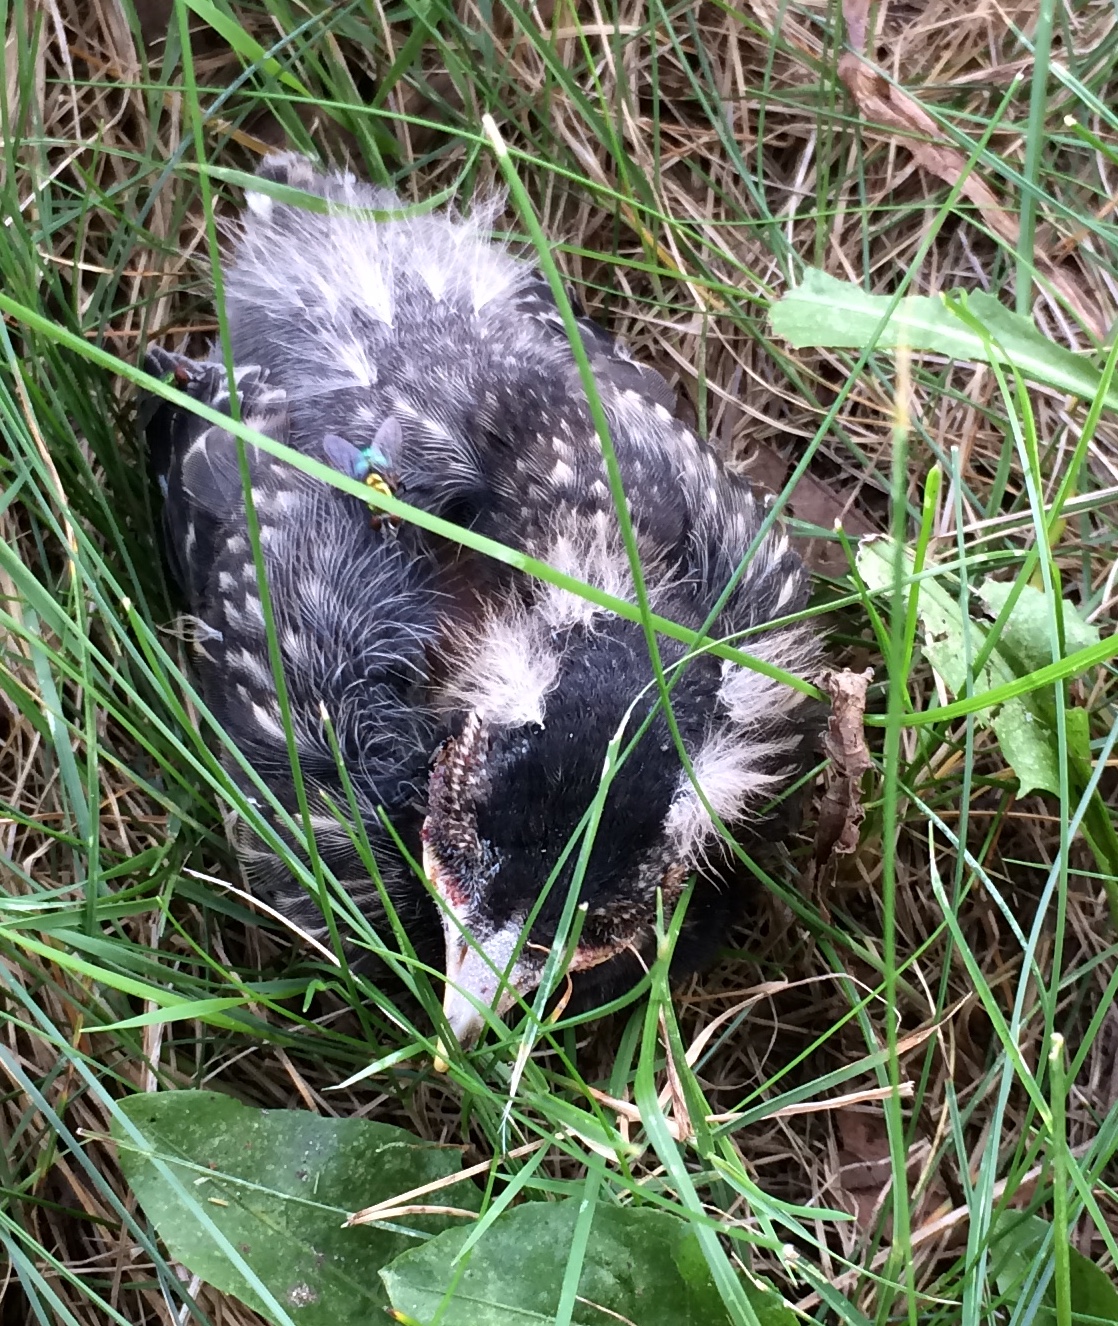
(278, 1184)
(641, 1265)
(825, 312)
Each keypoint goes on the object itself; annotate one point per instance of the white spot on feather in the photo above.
(591, 552)
(352, 357)
(368, 274)
(252, 667)
(788, 591)
(269, 719)
(259, 204)
(283, 500)
(750, 697)
(434, 428)
(739, 764)
(434, 276)
(246, 616)
(296, 648)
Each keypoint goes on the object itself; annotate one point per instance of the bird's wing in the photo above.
(362, 313)
(354, 606)
(195, 463)
(724, 545)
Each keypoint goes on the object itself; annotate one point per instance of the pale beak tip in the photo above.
(473, 984)
(466, 1026)
(465, 1021)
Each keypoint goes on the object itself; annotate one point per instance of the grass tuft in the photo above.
(896, 1099)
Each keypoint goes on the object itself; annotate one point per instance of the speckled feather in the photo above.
(368, 671)
(342, 321)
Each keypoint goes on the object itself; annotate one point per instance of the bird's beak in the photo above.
(476, 981)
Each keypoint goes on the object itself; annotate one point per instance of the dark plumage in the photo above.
(473, 703)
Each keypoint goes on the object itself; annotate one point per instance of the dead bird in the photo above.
(473, 703)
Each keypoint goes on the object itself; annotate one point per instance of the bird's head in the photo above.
(503, 804)
(510, 792)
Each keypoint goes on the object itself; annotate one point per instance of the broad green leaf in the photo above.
(1029, 746)
(1022, 725)
(825, 312)
(770, 1308)
(278, 1184)
(1020, 1240)
(1026, 636)
(1025, 643)
(641, 1265)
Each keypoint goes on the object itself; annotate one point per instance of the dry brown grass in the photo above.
(800, 166)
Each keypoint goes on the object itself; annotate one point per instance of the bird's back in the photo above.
(364, 310)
